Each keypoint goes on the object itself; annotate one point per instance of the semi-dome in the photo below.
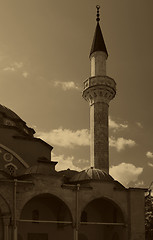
(91, 174)
(43, 166)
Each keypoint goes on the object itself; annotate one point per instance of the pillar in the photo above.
(6, 222)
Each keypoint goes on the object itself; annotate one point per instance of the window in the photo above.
(11, 168)
(9, 122)
(8, 157)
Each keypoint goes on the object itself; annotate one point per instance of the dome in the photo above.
(6, 112)
(91, 174)
(10, 119)
(67, 173)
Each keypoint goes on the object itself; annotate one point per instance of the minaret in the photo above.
(99, 89)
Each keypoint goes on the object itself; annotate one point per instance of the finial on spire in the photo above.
(98, 43)
(97, 19)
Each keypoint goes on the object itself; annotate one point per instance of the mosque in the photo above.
(39, 203)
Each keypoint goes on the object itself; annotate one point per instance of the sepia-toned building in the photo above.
(39, 203)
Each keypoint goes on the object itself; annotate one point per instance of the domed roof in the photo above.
(91, 174)
(9, 113)
(10, 119)
(67, 173)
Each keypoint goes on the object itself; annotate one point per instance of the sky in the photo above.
(44, 60)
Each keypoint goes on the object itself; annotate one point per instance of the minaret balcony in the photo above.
(99, 89)
(98, 81)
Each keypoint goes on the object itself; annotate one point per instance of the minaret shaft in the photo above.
(99, 150)
(98, 64)
(98, 91)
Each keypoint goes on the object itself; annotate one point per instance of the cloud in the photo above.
(150, 164)
(13, 67)
(18, 64)
(149, 154)
(66, 137)
(83, 163)
(139, 184)
(25, 74)
(139, 124)
(64, 162)
(125, 173)
(66, 85)
(116, 126)
(121, 143)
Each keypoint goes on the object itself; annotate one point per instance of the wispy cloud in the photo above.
(18, 64)
(139, 184)
(121, 143)
(139, 124)
(149, 154)
(66, 85)
(66, 137)
(25, 74)
(116, 126)
(64, 162)
(13, 67)
(125, 173)
(83, 163)
(150, 164)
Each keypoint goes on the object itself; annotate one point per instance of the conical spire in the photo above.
(98, 43)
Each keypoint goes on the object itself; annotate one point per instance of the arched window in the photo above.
(11, 168)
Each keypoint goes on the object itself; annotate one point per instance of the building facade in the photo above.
(39, 203)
